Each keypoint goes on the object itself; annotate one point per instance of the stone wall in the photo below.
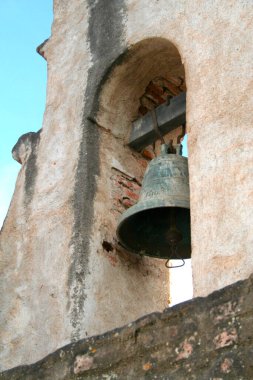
(206, 338)
(63, 276)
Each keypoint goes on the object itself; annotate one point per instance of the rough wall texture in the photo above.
(63, 276)
(206, 338)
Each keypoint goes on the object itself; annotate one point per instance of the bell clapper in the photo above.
(174, 237)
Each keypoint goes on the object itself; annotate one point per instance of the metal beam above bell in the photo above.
(169, 117)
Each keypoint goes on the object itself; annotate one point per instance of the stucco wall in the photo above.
(205, 338)
(58, 283)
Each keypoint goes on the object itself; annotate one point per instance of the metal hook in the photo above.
(173, 252)
(174, 266)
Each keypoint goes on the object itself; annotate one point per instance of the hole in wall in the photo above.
(107, 246)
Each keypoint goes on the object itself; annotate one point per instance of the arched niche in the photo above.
(126, 81)
(144, 281)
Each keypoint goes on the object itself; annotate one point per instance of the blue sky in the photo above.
(25, 24)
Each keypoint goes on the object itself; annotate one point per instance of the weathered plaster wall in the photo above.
(58, 282)
(214, 40)
(35, 240)
(206, 338)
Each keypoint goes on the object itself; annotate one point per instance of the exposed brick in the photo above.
(125, 192)
(148, 154)
(132, 195)
(158, 91)
(127, 202)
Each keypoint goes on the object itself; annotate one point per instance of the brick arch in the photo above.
(143, 65)
(160, 90)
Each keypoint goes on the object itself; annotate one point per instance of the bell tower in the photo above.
(77, 280)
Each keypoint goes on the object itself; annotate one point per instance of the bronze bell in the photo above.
(159, 224)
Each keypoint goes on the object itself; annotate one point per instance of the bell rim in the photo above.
(125, 215)
(150, 205)
(133, 211)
